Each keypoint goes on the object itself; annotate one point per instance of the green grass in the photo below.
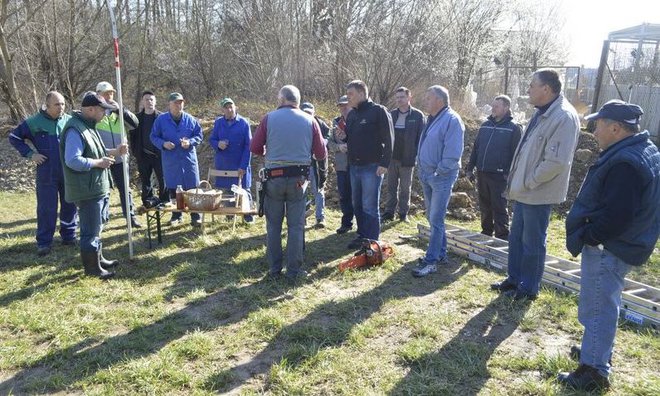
(195, 316)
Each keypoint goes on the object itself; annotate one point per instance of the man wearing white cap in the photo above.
(110, 132)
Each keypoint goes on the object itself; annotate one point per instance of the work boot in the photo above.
(135, 223)
(584, 378)
(43, 251)
(576, 352)
(93, 266)
(503, 286)
(105, 263)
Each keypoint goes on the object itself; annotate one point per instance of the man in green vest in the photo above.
(87, 182)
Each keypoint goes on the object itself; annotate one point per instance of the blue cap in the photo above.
(618, 110)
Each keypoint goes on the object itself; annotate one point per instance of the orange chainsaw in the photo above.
(371, 253)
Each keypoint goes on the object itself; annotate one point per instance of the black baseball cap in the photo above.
(93, 99)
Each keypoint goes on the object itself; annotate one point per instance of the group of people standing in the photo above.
(614, 222)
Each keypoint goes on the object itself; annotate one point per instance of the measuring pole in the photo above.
(115, 38)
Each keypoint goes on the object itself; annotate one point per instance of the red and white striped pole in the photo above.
(115, 38)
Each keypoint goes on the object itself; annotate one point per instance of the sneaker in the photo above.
(196, 223)
(174, 221)
(343, 229)
(584, 378)
(248, 219)
(427, 269)
(319, 224)
(43, 251)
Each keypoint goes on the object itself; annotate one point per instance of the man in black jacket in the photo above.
(409, 123)
(492, 153)
(146, 155)
(370, 135)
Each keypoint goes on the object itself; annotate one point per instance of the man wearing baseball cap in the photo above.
(614, 223)
(230, 140)
(110, 131)
(177, 133)
(337, 144)
(85, 164)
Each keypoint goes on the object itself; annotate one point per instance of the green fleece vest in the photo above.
(95, 183)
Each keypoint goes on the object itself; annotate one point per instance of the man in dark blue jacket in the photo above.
(614, 223)
(43, 131)
(370, 135)
(145, 153)
(492, 153)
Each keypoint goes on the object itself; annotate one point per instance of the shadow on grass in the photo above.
(60, 369)
(460, 366)
(329, 325)
(214, 269)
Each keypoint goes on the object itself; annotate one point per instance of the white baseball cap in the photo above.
(104, 86)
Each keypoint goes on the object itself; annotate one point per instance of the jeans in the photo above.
(148, 164)
(48, 194)
(399, 182)
(601, 284)
(92, 213)
(345, 198)
(285, 196)
(437, 191)
(117, 171)
(365, 188)
(492, 204)
(319, 196)
(527, 246)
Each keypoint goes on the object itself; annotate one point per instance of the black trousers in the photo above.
(146, 165)
(492, 204)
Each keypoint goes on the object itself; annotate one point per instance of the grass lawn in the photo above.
(195, 316)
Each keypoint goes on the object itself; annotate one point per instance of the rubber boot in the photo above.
(105, 263)
(93, 266)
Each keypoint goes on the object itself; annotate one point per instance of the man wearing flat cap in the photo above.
(86, 166)
(614, 223)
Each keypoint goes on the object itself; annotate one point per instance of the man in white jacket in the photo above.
(538, 179)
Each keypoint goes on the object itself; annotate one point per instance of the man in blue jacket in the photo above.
(614, 223)
(492, 153)
(177, 133)
(230, 139)
(43, 130)
(439, 159)
(370, 136)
